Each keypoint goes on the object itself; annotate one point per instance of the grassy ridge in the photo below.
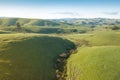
(99, 61)
(95, 63)
(101, 38)
(29, 22)
(29, 56)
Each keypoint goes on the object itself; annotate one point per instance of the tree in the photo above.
(92, 26)
(115, 28)
(84, 23)
(19, 28)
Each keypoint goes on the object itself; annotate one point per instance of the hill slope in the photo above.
(98, 59)
(95, 63)
(29, 22)
(101, 38)
(30, 56)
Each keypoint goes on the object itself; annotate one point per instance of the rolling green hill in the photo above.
(30, 56)
(95, 63)
(37, 56)
(100, 38)
(98, 59)
(29, 22)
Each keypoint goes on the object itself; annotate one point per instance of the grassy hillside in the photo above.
(101, 38)
(35, 57)
(30, 56)
(95, 63)
(36, 26)
(98, 59)
(28, 22)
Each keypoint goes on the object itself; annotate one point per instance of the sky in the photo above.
(55, 9)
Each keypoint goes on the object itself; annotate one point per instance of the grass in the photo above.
(101, 38)
(5, 32)
(30, 56)
(33, 56)
(98, 60)
(95, 63)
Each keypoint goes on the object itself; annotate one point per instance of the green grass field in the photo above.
(99, 60)
(30, 56)
(95, 63)
(102, 38)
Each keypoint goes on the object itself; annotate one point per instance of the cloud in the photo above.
(111, 13)
(67, 13)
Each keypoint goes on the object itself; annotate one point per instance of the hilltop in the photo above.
(58, 22)
(29, 22)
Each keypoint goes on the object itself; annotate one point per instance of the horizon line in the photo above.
(60, 18)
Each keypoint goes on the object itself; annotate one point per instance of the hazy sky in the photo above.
(60, 8)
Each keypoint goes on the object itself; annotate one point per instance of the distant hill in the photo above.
(58, 22)
(29, 22)
(87, 21)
